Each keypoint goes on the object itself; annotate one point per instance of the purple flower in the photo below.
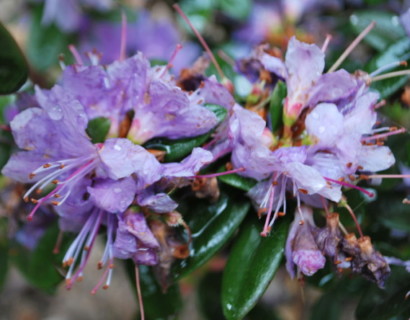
(301, 248)
(67, 15)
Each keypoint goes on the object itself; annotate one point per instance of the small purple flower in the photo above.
(301, 249)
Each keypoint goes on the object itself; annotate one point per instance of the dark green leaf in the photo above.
(237, 181)
(388, 28)
(178, 149)
(98, 129)
(209, 296)
(45, 43)
(13, 65)
(251, 266)
(41, 266)
(157, 305)
(276, 105)
(211, 226)
(238, 9)
(3, 252)
(396, 307)
(399, 51)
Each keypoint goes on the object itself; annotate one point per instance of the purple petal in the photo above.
(21, 164)
(305, 177)
(325, 124)
(190, 165)
(121, 158)
(305, 64)
(405, 20)
(113, 196)
(375, 158)
(160, 202)
(332, 87)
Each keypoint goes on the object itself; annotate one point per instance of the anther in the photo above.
(55, 181)
(31, 175)
(55, 203)
(304, 191)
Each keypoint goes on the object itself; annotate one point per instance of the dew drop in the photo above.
(117, 190)
(117, 147)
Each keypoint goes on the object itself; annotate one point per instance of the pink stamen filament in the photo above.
(105, 276)
(384, 135)
(138, 285)
(354, 219)
(266, 228)
(57, 246)
(75, 175)
(326, 43)
(76, 54)
(391, 75)
(345, 184)
(201, 40)
(388, 176)
(388, 67)
(218, 174)
(86, 253)
(123, 45)
(352, 46)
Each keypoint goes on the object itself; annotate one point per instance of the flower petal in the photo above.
(113, 196)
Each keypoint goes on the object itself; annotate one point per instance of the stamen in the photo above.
(391, 75)
(201, 40)
(57, 246)
(123, 45)
(266, 228)
(75, 54)
(326, 43)
(218, 174)
(384, 135)
(354, 219)
(226, 58)
(140, 301)
(386, 176)
(388, 67)
(346, 184)
(352, 46)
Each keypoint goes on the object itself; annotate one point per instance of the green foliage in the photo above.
(98, 128)
(42, 267)
(45, 43)
(387, 31)
(398, 51)
(158, 305)
(13, 65)
(251, 266)
(276, 105)
(212, 225)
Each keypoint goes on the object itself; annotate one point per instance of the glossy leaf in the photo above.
(276, 105)
(42, 267)
(211, 225)
(98, 129)
(209, 296)
(251, 266)
(13, 65)
(178, 149)
(388, 28)
(157, 304)
(398, 51)
(45, 43)
(237, 181)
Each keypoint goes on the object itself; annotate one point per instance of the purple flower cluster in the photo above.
(329, 140)
(111, 183)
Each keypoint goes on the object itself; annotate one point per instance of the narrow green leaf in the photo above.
(211, 225)
(387, 31)
(178, 149)
(276, 105)
(251, 266)
(41, 266)
(45, 43)
(399, 51)
(98, 128)
(209, 296)
(237, 181)
(13, 65)
(157, 304)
